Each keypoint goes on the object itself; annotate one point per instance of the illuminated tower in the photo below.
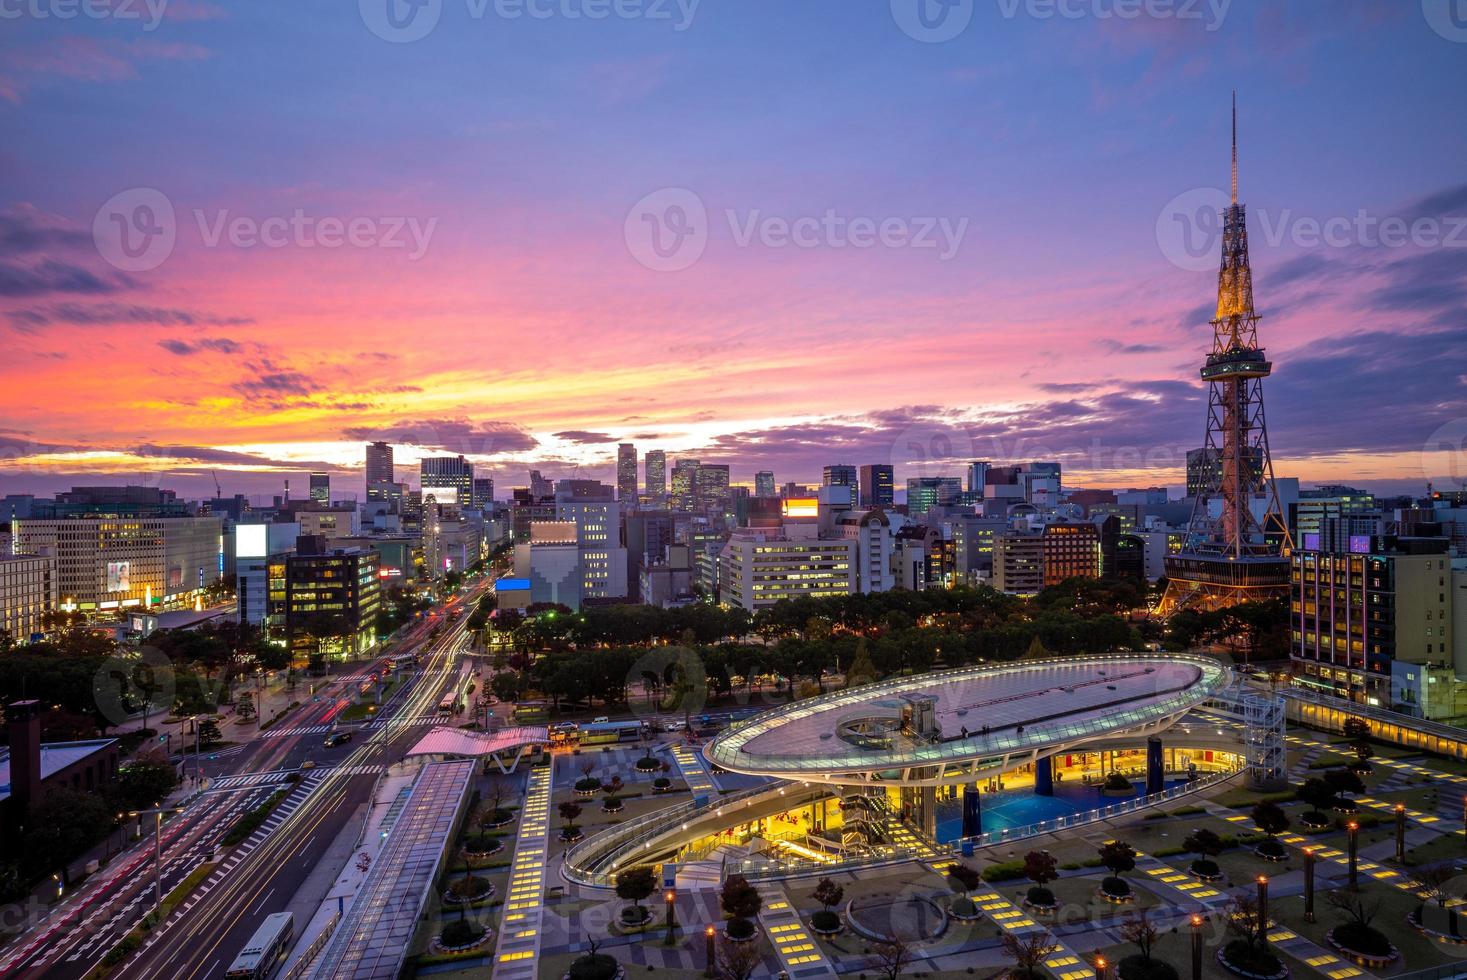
(1231, 555)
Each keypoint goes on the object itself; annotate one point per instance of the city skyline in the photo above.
(1058, 315)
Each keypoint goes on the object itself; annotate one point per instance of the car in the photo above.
(600, 720)
(675, 726)
(337, 738)
(565, 728)
(308, 764)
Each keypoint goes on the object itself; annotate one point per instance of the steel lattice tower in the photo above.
(1231, 556)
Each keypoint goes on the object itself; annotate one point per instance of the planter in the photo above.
(648, 764)
(1270, 855)
(827, 927)
(1116, 897)
(1373, 960)
(1039, 909)
(439, 946)
(620, 973)
(662, 789)
(612, 806)
(1283, 970)
(497, 845)
(965, 910)
(1314, 820)
(634, 925)
(1199, 870)
(1439, 919)
(450, 898)
(570, 837)
(753, 932)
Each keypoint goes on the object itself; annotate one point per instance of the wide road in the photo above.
(257, 877)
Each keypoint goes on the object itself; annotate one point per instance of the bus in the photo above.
(606, 732)
(262, 955)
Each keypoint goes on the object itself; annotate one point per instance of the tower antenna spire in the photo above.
(1235, 146)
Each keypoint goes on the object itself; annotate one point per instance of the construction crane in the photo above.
(218, 490)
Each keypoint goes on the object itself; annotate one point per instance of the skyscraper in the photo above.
(626, 472)
(321, 488)
(764, 484)
(483, 491)
(840, 475)
(876, 485)
(442, 473)
(656, 473)
(710, 485)
(1233, 556)
(684, 472)
(927, 492)
(379, 464)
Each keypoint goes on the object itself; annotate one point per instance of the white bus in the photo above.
(262, 955)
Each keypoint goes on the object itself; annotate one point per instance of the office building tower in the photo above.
(452, 474)
(326, 602)
(977, 477)
(764, 484)
(684, 477)
(540, 487)
(626, 473)
(926, 492)
(710, 485)
(379, 465)
(483, 492)
(758, 568)
(877, 486)
(656, 462)
(839, 474)
(321, 488)
(27, 593)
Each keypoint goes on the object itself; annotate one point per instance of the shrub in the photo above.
(825, 920)
(740, 928)
(1362, 939)
(1136, 967)
(588, 784)
(1116, 783)
(661, 782)
(1003, 871)
(594, 966)
(1259, 962)
(1115, 886)
(460, 932)
(1039, 895)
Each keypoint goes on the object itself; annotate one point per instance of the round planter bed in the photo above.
(1279, 974)
(1040, 901)
(452, 898)
(1385, 955)
(492, 824)
(1205, 870)
(647, 764)
(494, 845)
(1118, 892)
(826, 923)
(627, 923)
(748, 937)
(1432, 927)
(612, 806)
(1276, 853)
(1345, 806)
(439, 946)
(965, 910)
(571, 837)
(662, 785)
(1315, 820)
(605, 968)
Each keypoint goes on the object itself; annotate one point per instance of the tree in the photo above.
(828, 894)
(636, 885)
(1040, 868)
(1320, 796)
(963, 878)
(1119, 857)
(1358, 912)
(1270, 818)
(1357, 733)
(1435, 880)
(1207, 845)
(569, 811)
(209, 734)
(1246, 921)
(1139, 931)
(142, 784)
(737, 961)
(1028, 951)
(1344, 781)
(862, 670)
(741, 901)
(891, 957)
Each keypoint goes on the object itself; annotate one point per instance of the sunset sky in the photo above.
(498, 300)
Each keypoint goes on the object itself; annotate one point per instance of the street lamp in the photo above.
(708, 944)
(1400, 833)
(157, 813)
(671, 915)
(1263, 909)
(1196, 947)
(1101, 968)
(1309, 884)
(1354, 829)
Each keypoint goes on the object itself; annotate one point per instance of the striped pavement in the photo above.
(520, 933)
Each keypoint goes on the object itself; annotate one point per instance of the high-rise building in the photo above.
(27, 593)
(656, 473)
(1231, 555)
(710, 485)
(839, 474)
(626, 473)
(764, 484)
(379, 465)
(326, 603)
(977, 477)
(877, 485)
(321, 488)
(483, 492)
(684, 477)
(927, 492)
(451, 473)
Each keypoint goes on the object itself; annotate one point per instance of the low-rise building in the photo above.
(27, 593)
(758, 567)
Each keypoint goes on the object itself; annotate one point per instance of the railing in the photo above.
(300, 966)
(725, 748)
(584, 860)
(1094, 816)
(1452, 971)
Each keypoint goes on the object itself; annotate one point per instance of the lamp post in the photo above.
(157, 813)
(1263, 909)
(1196, 947)
(1308, 884)
(671, 915)
(709, 970)
(1102, 968)
(1400, 833)
(1354, 831)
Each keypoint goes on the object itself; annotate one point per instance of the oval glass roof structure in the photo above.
(919, 729)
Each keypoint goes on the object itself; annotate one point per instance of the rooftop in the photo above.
(977, 713)
(55, 756)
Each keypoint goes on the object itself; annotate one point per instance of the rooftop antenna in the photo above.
(1235, 146)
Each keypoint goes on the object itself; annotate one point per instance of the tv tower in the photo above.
(1231, 555)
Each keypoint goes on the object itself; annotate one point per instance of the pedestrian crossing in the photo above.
(248, 779)
(324, 727)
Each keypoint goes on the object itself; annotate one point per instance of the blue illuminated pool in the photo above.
(1020, 807)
